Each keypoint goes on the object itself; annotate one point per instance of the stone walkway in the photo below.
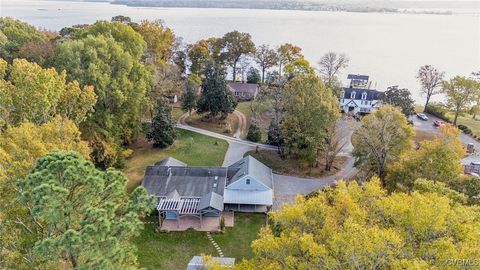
(215, 245)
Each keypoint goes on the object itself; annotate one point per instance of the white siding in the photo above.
(241, 184)
(236, 196)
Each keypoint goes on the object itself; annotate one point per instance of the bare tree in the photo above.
(430, 80)
(335, 141)
(265, 58)
(244, 65)
(330, 64)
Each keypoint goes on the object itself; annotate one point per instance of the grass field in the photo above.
(173, 250)
(220, 126)
(294, 167)
(190, 147)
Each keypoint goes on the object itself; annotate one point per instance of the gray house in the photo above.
(204, 193)
(244, 91)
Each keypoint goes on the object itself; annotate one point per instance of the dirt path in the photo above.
(242, 124)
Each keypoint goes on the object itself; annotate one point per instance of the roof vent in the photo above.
(216, 177)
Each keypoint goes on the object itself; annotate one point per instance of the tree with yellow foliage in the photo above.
(33, 94)
(363, 227)
(438, 160)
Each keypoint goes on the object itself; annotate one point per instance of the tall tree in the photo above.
(364, 227)
(159, 40)
(189, 99)
(438, 160)
(36, 95)
(84, 216)
(336, 140)
(110, 59)
(265, 58)
(235, 44)
(298, 67)
(459, 91)
(330, 65)
(287, 53)
(308, 110)
(16, 34)
(381, 139)
(215, 98)
(400, 98)
(20, 147)
(430, 80)
(253, 75)
(162, 130)
(203, 52)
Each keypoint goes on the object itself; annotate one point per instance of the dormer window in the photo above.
(364, 95)
(352, 95)
(248, 181)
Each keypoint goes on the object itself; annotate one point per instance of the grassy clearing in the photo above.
(190, 147)
(235, 242)
(295, 167)
(173, 250)
(467, 120)
(220, 126)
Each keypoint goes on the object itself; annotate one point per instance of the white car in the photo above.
(422, 116)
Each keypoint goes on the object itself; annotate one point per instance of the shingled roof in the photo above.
(161, 181)
(250, 88)
(251, 166)
(371, 93)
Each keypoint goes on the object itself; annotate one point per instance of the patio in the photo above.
(209, 224)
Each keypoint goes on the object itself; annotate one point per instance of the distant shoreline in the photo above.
(269, 5)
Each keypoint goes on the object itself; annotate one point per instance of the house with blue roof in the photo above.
(203, 194)
(358, 98)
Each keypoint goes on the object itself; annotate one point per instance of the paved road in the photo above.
(286, 188)
(429, 127)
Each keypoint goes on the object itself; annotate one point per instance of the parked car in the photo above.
(422, 116)
(438, 123)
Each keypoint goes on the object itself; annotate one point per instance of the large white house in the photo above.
(358, 98)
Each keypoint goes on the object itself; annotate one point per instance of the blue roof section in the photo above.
(371, 93)
(251, 166)
(358, 77)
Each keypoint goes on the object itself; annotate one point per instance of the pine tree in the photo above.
(275, 135)
(216, 98)
(189, 99)
(84, 218)
(162, 130)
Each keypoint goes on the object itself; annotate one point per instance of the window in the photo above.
(364, 95)
(248, 181)
(352, 95)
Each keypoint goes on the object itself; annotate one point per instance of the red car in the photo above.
(438, 123)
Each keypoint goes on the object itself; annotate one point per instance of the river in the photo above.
(388, 47)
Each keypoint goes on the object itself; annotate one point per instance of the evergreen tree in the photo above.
(275, 135)
(162, 131)
(189, 99)
(253, 75)
(216, 98)
(84, 218)
(254, 133)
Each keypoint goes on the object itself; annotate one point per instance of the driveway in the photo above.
(286, 188)
(429, 127)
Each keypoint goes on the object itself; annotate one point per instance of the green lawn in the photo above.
(467, 120)
(190, 147)
(173, 250)
(235, 242)
(177, 112)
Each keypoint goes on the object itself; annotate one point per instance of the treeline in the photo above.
(262, 4)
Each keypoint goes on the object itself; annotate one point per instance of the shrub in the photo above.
(254, 134)
(437, 110)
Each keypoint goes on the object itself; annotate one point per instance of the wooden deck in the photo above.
(209, 224)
